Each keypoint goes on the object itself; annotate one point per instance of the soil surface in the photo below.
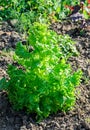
(79, 117)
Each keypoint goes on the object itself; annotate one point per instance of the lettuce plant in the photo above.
(42, 83)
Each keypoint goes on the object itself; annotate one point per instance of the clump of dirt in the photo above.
(79, 117)
(8, 37)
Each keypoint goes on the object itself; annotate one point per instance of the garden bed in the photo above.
(79, 117)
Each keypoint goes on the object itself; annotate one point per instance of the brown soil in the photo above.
(79, 117)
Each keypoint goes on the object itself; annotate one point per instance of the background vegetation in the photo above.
(28, 11)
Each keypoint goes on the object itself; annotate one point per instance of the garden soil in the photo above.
(76, 119)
